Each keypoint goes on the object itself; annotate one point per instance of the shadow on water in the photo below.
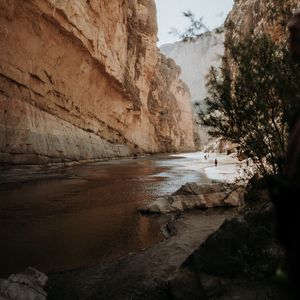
(87, 216)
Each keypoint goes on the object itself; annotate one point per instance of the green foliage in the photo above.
(281, 10)
(252, 103)
(194, 30)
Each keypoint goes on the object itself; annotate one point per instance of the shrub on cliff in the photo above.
(252, 99)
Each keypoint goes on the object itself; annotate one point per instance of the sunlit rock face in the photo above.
(172, 117)
(195, 58)
(75, 83)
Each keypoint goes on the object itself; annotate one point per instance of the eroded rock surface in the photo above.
(28, 285)
(192, 196)
(243, 252)
(75, 83)
(195, 58)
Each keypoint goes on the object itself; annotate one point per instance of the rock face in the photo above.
(170, 109)
(220, 145)
(195, 58)
(255, 17)
(28, 285)
(78, 81)
(243, 248)
(258, 16)
(192, 196)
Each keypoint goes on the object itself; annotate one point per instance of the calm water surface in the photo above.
(88, 217)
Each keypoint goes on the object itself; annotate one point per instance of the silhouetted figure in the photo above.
(285, 188)
(205, 157)
(247, 162)
(216, 162)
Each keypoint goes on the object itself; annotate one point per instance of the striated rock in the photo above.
(193, 196)
(28, 285)
(170, 108)
(195, 58)
(75, 80)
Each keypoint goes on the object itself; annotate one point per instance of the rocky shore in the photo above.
(220, 244)
(29, 285)
(238, 258)
(196, 196)
(142, 275)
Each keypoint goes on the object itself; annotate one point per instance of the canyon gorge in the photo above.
(84, 89)
(84, 80)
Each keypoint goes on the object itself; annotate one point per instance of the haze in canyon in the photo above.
(104, 192)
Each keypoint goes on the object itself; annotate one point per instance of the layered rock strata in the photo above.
(75, 82)
(194, 196)
(195, 58)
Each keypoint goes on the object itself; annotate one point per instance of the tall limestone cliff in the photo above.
(195, 58)
(83, 80)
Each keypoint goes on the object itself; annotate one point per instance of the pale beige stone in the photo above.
(194, 196)
(83, 80)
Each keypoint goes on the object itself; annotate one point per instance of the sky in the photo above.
(169, 14)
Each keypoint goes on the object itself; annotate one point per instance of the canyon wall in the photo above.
(83, 80)
(259, 16)
(251, 18)
(195, 58)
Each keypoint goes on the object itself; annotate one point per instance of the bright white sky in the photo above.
(169, 14)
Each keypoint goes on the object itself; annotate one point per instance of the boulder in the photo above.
(193, 196)
(243, 248)
(27, 285)
(186, 285)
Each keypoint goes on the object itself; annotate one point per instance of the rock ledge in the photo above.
(192, 196)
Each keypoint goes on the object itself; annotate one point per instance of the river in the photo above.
(87, 215)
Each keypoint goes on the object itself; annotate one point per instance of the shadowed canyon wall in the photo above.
(252, 18)
(259, 16)
(83, 80)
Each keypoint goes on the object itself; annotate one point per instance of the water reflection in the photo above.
(87, 218)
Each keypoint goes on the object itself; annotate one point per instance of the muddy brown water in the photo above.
(87, 215)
